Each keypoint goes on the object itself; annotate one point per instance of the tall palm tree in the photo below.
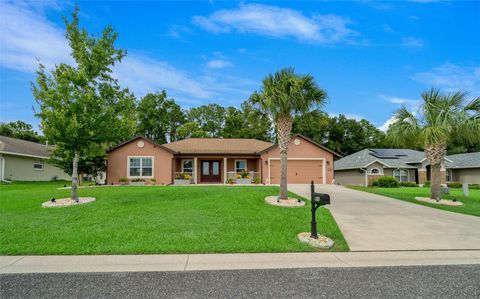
(283, 96)
(440, 117)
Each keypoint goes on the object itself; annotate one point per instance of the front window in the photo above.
(401, 175)
(140, 167)
(240, 165)
(448, 174)
(38, 165)
(187, 166)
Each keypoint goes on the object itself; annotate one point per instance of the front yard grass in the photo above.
(471, 204)
(158, 219)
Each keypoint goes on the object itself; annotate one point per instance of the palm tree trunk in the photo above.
(435, 153)
(74, 194)
(284, 130)
(435, 187)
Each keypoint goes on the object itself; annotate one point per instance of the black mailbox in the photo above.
(317, 199)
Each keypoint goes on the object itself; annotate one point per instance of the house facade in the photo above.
(22, 160)
(366, 166)
(218, 161)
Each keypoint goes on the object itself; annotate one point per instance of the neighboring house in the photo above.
(215, 160)
(406, 165)
(22, 160)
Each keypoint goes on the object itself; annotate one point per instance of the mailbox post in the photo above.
(317, 199)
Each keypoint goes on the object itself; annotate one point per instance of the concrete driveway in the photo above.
(373, 222)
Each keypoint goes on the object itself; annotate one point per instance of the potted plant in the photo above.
(153, 181)
(182, 179)
(123, 181)
(137, 182)
(244, 178)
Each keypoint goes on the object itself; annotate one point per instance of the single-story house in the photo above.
(406, 165)
(219, 160)
(22, 160)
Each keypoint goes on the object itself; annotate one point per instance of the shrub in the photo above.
(256, 180)
(387, 182)
(407, 184)
(182, 176)
(426, 184)
(474, 186)
(123, 180)
(375, 183)
(153, 180)
(138, 180)
(230, 181)
(454, 185)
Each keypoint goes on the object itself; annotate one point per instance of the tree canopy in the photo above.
(82, 106)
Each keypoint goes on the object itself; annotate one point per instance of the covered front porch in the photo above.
(217, 170)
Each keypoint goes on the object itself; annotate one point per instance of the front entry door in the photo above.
(211, 171)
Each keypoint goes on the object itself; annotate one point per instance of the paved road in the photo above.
(384, 282)
(372, 222)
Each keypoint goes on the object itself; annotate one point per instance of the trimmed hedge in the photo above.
(407, 184)
(386, 182)
(454, 185)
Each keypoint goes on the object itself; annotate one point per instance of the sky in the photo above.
(371, 57)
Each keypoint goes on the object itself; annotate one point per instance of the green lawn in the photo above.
(133, 220)
(471, 204)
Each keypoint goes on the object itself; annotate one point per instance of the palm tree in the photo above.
(440, 117)
(283, 96)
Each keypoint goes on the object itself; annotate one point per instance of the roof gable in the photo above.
(308, 140)
(140, 137)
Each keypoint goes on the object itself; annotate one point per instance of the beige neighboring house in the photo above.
(22, 160)
(406, 165)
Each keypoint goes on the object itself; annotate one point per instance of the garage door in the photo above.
(299, 171)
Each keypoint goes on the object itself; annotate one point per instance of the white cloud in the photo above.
(219, 63)
(386, 124)
(277, 22)
(400, 101)
(451, 77)
(143, 74)
(27, 37)
(412, 42)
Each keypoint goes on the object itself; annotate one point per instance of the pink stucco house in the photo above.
(219, 160)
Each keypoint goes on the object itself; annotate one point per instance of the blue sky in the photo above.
(370, 56)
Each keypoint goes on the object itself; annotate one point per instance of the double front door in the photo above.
(211, 171)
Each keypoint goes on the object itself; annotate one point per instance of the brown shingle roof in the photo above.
(218, 146)
(23, 147)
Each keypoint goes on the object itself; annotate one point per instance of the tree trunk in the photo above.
(74, 195)
(284, 130)
(435, 154)
(435, 187)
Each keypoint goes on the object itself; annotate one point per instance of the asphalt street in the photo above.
(453, 281)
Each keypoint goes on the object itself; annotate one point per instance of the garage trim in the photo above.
(324, 170)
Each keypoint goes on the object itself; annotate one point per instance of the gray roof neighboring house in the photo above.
(390, 158)
(469, 160)
(402, 158)
(19, 147)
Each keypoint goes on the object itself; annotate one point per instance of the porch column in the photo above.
(225, 170)
(195, 170)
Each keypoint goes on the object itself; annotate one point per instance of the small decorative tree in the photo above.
(82, 106)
